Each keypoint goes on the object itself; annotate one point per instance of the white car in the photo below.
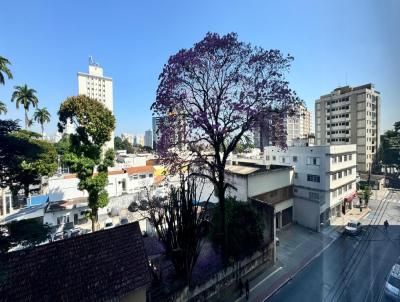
(108, 224)
(353, 228)
(392, 284)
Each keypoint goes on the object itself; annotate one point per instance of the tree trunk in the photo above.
(221, 199)
(94, 217)
(42, 131)
(26, 119)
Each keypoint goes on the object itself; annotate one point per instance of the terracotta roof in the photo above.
(100, 266)
(131, 170)
(141, 169)
(67, 204)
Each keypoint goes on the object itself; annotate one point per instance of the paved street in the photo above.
(352, 269)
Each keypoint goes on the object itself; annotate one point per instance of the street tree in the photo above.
(42, 116)
(179, 221)
(24, 158)
(94, 125)
(25, 96)
(213, 94)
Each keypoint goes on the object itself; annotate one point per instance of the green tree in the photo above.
(120, 144)
(26, 232)
(4, 70)
(42, 116)
(244, 228)
(25, 96)
(3, 108)
(24, 158)
(389, 149)
(94, 125)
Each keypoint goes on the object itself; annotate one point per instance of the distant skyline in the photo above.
(334, 43)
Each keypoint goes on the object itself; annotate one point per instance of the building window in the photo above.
(294, 158)
(267, 157)
(344, 157)
(63, 219)
(339, 175)
(349, 156)
(283, 160)
(313, 161)
(333, 176)
(296, 175)
(273, 157)
(333, 160)
(141, 176)
(313, 178)
(339, 159)
(150, 175)
(313, 195)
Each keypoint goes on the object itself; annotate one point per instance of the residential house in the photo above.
(108, 265)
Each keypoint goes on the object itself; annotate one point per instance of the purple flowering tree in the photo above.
(211, 95)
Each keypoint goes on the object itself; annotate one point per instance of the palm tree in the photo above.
(3, 108)
(25, 96)
(4, 69)
(42, 116)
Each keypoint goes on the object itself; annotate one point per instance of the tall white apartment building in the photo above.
(95, 85)
(324, 180)
(296, 126)
(350, 115)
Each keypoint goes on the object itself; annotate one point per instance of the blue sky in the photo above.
(334, 43)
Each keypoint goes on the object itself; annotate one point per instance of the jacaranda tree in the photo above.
(94, 124)
(211, 95)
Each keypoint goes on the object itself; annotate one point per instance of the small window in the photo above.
(313, 195)
(349, 156)
(333, 176)
(141, 176)
(296, 175)
(274, 157)
(267, 157)
(294, 158)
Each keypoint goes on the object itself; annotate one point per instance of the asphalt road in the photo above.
(352, 268)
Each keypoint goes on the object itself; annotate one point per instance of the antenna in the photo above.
(345, 76)
(91, 60)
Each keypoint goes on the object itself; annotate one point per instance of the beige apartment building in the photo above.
(350, 115)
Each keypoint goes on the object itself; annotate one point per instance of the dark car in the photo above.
(124, 221)
(133, 207)
(144, 205)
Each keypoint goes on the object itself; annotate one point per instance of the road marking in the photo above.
(270, 275)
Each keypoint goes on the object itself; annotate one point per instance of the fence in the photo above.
(226, 277)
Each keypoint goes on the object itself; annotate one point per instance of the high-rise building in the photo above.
(95, 85)
(156, 121)
(148, 138)
(350, 115)
(296, 127)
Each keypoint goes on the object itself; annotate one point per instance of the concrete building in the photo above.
(296, 127)
(272, 185)
(324, 180)
(156, 120)
(350, 115)
(148, 139)
(95, 85)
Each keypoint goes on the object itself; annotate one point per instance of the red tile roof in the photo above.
(141, 169)
(101, 266)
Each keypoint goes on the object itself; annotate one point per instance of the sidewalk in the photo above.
(353, 214)
(298, 247)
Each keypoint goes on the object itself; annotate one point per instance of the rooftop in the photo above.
(100, 266)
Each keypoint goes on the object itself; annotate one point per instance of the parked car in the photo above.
(72, 233)
(144, 205)
(108, 224)
(352, 228)
(58, 236)
(277, 241)
(392, 284)
(133, 207)
(124, 220)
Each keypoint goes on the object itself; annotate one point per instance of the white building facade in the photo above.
(95, 85)
(324, 180)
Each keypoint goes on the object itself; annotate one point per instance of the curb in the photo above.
(292, 275)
